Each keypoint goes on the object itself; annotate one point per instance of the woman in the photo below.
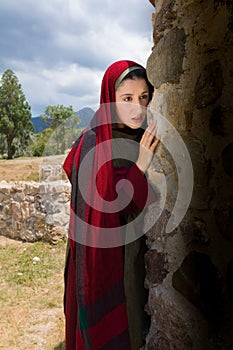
(104, 293)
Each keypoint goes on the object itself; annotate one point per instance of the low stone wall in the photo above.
(32, 211)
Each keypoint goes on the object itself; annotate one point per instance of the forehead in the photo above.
(133, 86)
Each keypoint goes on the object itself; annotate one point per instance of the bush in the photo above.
(39, 142)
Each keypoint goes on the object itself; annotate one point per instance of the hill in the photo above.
(85, 114)
(39, 124)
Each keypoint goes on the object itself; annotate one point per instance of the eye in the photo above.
(128, 99)
(144, 97)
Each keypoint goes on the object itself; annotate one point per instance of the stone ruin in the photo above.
(32, 211)
(190, 269)
(51, 172)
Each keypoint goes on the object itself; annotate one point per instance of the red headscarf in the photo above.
(102, 182)
(102, 319)
(103, 117)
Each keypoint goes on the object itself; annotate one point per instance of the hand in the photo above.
(148, 145)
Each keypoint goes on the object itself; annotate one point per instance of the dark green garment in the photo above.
(134, 266)
(136, 295)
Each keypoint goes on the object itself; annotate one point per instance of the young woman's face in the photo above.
(132, 96)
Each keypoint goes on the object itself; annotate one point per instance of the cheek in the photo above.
(123, 110)
(145, 102)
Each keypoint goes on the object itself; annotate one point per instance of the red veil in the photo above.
(95, 304)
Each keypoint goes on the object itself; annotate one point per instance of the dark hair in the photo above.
(140, 74)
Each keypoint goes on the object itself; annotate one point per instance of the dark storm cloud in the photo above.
(60, 48)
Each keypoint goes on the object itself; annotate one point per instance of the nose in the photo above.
(138, 106)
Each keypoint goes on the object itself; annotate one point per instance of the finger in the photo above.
(150, 131)
(151, 127)
(154, 145)
(149, 135)
(153, 132)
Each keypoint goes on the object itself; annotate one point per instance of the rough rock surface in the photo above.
(190, 269)
(32, 211)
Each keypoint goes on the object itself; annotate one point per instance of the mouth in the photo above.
(138, 119)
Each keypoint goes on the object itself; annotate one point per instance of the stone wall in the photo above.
(190, 269)
(32, 211)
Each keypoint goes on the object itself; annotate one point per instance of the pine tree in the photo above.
(15, 115)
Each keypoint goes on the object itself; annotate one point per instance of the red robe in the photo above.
(95, 302)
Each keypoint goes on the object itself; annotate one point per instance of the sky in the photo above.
(59, 49)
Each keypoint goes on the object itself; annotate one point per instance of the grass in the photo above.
(31, 289)
(31, 297)
(29, 266)
(33, 177)
(28, 168)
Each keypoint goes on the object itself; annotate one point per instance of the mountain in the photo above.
(85, 114)
(39, 124)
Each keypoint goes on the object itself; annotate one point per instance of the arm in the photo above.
(136, 174)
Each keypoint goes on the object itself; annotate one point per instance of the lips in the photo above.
(138, 119)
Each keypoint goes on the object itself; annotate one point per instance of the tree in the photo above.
(40, 140)
(15, 115)
(59, 118)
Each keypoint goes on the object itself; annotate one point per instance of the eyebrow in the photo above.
(128, 94)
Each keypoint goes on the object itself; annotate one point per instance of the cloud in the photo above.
(67, 85)
(59, 49)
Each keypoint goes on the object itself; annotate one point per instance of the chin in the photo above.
(135, 126)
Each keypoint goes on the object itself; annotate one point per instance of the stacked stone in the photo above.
(190, 270)
(32, 211)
